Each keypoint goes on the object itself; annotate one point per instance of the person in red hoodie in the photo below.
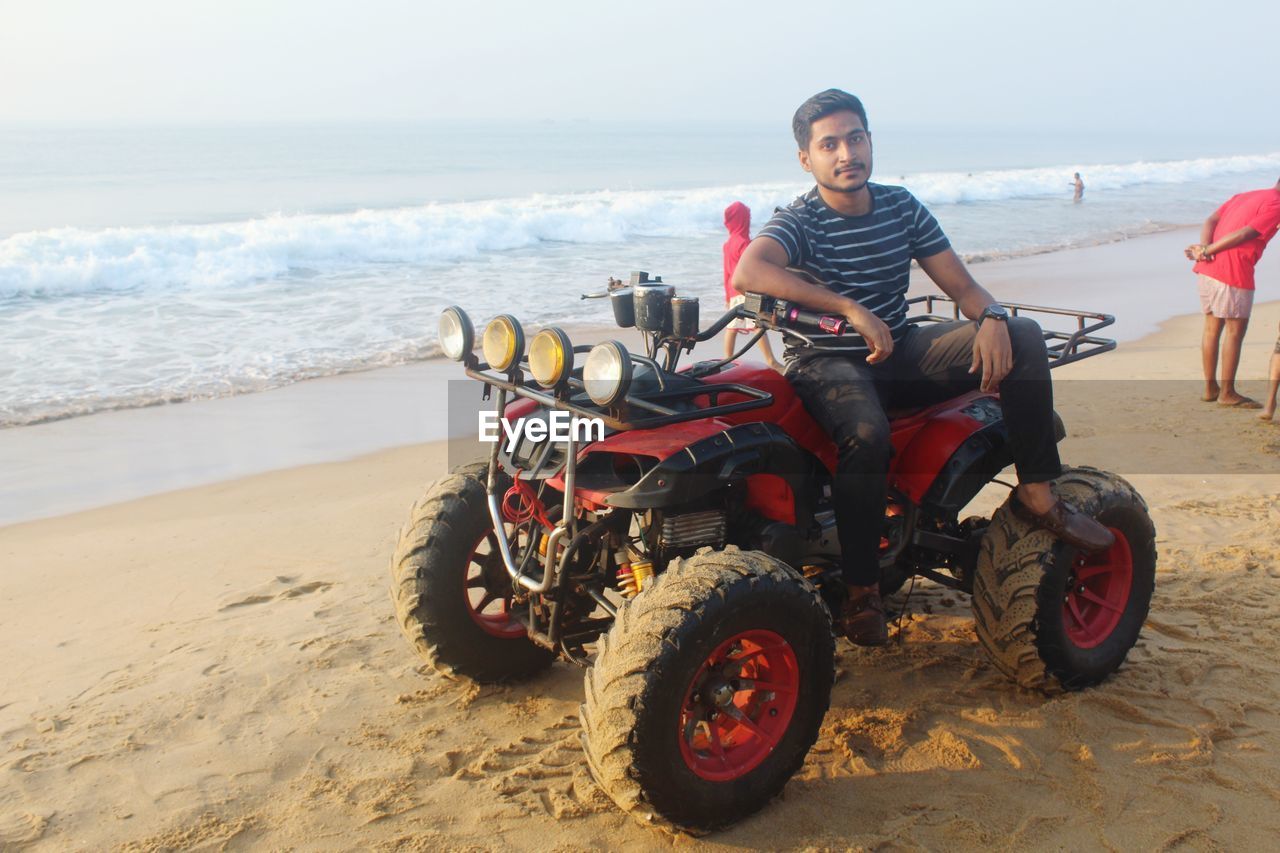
(1231, 242)
(737, 218)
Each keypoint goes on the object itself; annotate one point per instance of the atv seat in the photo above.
(899, 413)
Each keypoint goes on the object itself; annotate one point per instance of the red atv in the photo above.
(690, 543)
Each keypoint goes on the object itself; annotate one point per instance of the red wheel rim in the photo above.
(738, 706)
(1097, 593)
(488, 598)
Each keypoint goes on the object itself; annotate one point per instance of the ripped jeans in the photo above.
(930, 364)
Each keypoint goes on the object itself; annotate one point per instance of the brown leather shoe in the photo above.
(862, 616)
(1068, 524)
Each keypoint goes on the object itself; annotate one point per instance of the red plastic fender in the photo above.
(786, 410)
(656, 443)
(771, 496)
(925, 441)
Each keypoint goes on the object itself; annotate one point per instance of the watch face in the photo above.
(996, 311)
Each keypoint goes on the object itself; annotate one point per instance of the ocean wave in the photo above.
(216, 256)
(1002, 184)
(236, 254)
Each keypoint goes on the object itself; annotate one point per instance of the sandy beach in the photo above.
(206, 658)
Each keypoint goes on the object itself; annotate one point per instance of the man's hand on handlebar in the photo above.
(873, 330)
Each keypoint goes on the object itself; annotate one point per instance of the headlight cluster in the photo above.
(606, 373)
(457, 336)
(503, 343)
(551, 357)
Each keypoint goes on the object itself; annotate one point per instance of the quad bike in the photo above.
(686, 554)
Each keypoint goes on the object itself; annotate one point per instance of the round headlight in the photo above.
(457, 336)
(607, 373)
(503, 342)
(550, 357)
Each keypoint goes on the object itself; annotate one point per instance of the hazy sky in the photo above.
(1123, 65)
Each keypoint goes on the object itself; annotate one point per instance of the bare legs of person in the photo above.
(1209, 356)
(1273, 385)
(767, 351)
(732, 340)
(1230, 333)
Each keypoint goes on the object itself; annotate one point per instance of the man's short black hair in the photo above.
(820, 106)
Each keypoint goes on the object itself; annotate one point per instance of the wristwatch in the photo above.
(995, 311)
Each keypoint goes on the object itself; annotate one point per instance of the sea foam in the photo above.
(997, 185)
(235, 254)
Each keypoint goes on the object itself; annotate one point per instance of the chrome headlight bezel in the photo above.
(610, 388)
(503, 343)
(456, 334)
(551, 357)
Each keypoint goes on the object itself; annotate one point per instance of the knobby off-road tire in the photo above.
(1039, 606)
(747, 610)
(429, 577)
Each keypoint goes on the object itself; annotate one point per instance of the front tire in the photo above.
(1050, 618)
(708, 690)
(452, 593)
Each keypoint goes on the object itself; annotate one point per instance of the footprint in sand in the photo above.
(281, 587)
(18, 829)
(543, 772)
(859, 742)
(29, 762)
(1173, 631)
(305, 589)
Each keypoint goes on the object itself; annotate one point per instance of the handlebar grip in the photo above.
(832, 324)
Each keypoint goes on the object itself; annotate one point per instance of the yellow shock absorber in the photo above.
(627, 581)
(642, 571)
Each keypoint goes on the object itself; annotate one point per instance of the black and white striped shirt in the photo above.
(867, 258)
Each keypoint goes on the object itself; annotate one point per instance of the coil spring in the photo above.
(627, 581)
(633, 577)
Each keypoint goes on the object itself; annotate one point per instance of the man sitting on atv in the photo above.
(845, 248)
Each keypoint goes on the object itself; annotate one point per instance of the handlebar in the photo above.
(785, 316)
(770, 313)
(832, 324)
(767, 311)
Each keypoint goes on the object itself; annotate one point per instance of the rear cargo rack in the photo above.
(1063, 347)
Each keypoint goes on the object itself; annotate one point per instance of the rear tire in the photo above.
(720, 637)
(451, 591)
(1051, 619)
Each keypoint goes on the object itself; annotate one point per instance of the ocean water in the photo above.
(157, 264)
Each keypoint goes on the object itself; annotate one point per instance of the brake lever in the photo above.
(614, 284)
(768, 322)
(793, 333)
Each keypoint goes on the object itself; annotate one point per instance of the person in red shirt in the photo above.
(737, 218)
(1231, 242)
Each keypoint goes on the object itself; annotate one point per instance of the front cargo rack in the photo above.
(648, 410)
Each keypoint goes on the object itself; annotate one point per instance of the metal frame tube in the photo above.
(565, 526)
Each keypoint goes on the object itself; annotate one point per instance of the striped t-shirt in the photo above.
(867, 258)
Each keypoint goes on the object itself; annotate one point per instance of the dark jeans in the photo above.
(930, 364)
